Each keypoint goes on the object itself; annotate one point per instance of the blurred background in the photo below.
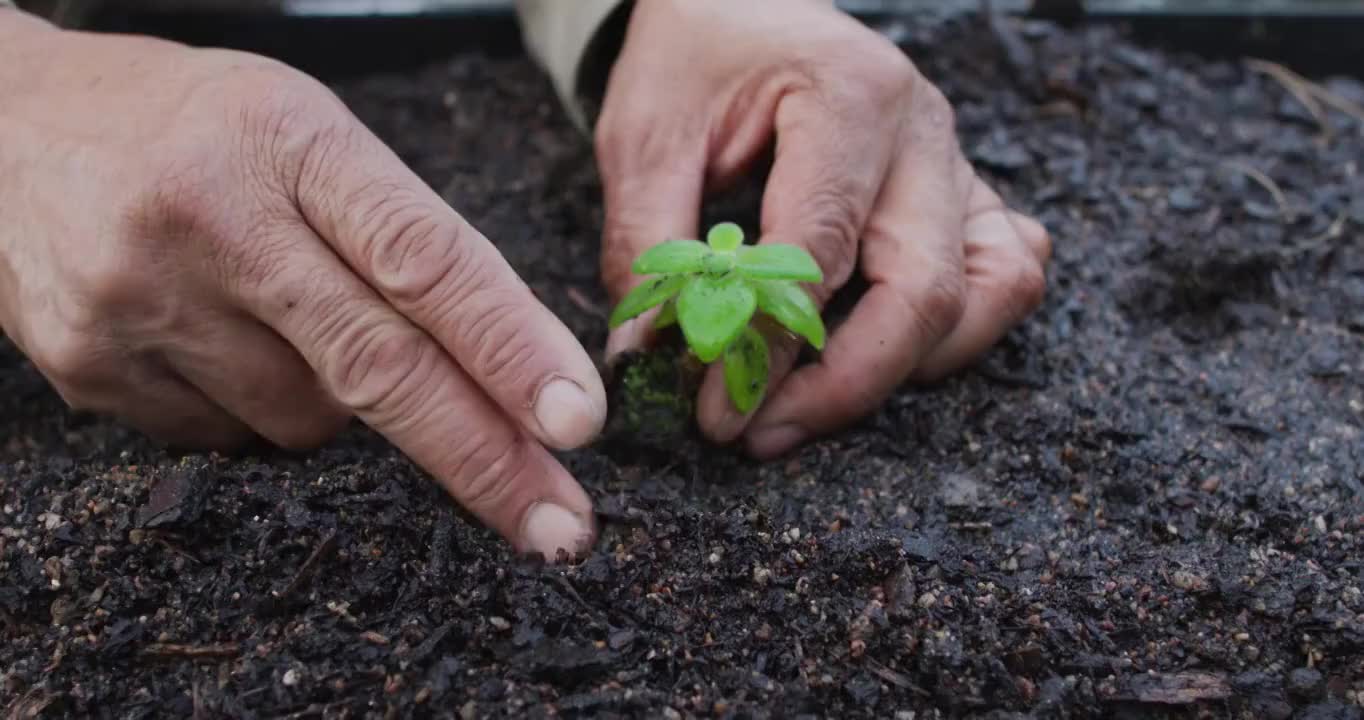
(407, 7)
(339, 37)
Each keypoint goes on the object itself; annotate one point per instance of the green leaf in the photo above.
(791, 306)
(779, 262)
(670, 257)
(667, 316)
(713, 311)
(746, 367)
(646, 295)
(725, 237)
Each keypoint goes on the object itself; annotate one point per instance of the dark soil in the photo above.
(1147, 501)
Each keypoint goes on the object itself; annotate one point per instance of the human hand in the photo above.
(207, 244)
(867, 168)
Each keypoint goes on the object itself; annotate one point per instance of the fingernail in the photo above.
(775, 439)
(566, 414)
(550, 528)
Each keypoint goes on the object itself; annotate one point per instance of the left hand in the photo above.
(867, 168)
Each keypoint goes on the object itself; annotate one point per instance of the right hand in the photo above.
(206, 244)
(867, 175)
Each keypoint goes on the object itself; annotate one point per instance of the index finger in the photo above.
(437, 270)
(399, 382)
(829, 165)
(912, 255)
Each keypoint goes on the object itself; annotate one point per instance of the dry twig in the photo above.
(177, 650)
(1295, 84)
(309, 568)
(1332, 232)
(1310, 94)
(1267, 183)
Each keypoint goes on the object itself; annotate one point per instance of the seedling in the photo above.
(713, 289)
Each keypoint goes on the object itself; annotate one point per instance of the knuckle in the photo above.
(938, 308)
(305, 157)
(291, 129)
(637, 138)
(945, 301)
(502, 354)
(934, 114)
(414, 254)
(934, 99)
(284, 103)
(884, 81)
(488, 473)
(1028, 285)
(379, 370)
(878, 78)
(833, 224)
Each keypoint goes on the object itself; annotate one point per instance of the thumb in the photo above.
(652, 182)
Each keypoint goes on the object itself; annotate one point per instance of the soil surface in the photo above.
(1148, 501)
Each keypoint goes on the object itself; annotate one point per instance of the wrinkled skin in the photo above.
(868, 176)
(207, 244)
